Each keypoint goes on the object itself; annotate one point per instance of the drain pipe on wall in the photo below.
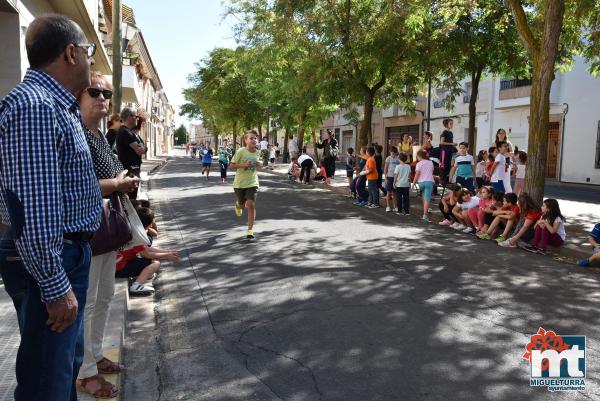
(565, 110)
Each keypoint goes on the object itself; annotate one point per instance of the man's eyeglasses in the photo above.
(90, 48)
(95, 92)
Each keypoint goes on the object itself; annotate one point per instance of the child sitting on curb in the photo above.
(447, 204)
(523, 232)
(466, 202)
(505, 218)
(476, 215)
(488, 211)
(549, 229)
(594, 239)
(142, 261)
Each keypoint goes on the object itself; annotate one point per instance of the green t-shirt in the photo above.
(245, 178)
(225, 153)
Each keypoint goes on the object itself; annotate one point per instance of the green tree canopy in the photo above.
(181, 135)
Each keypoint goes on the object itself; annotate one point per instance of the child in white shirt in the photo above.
(402, 185)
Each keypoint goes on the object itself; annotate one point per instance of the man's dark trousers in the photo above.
(48, 362)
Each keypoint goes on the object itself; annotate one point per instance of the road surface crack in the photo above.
(291, 358)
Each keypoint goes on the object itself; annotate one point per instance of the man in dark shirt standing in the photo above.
(50, 202)
(130, 146)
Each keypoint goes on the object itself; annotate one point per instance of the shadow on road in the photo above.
(332, 302)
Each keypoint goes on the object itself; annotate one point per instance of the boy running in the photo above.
(245, 183)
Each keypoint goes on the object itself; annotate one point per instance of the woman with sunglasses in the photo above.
(94, 102)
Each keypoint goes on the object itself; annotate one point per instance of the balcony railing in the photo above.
(514, 83)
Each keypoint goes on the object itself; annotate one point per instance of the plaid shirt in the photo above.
(47, 182)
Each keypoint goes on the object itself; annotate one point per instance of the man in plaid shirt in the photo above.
(51, 202)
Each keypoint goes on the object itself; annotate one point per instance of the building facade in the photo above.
(573, 135)
(199, 134)
(15, 17)
(142, 87)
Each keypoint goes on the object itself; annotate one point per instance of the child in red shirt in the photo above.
(142, 261)
(506, 217)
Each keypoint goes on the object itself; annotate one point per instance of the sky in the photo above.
(179, 33)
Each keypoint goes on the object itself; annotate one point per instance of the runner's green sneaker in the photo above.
(249, 234)
(238, 211)
(500, 238)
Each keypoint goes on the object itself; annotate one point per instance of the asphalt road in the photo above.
(332, 302)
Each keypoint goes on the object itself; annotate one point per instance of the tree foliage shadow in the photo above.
(319, 308)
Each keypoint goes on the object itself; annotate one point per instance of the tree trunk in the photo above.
(537, 149)
(366, 132)
(260, 135)
(472, 139)
(543, 51)
(215, 141)
(313, 134)
(235, 136)
(286, 140)
(300, 130)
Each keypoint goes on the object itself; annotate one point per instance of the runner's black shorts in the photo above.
(244, 194)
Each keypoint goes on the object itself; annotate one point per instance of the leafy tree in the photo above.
(481, 38)
(181, 135)
(369, 50)
(221, 95)
(292, 84)
(552, 31)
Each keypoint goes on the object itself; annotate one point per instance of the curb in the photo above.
(145, 176)
(568, 253)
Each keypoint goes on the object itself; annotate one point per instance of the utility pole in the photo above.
(117, 56)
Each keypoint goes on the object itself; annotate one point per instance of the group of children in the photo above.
(140, 264)
(512, 219)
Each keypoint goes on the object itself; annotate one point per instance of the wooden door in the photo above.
(553, 149)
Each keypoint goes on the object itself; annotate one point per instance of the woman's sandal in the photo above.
(106, 366)
(98, 387)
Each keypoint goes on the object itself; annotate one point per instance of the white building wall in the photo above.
(581, 92)
(10, 48)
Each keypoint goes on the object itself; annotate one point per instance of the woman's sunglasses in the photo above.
(95, 92)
